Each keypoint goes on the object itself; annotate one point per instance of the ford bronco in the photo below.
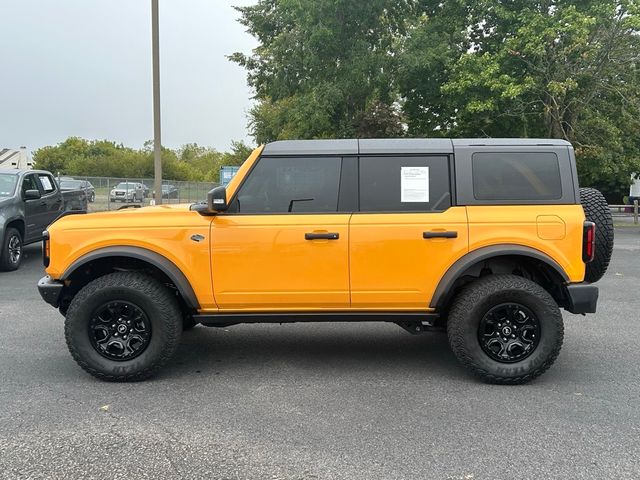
(486, 239)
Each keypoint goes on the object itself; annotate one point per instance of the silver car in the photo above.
(127, 192)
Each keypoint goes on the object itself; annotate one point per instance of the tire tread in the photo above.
(142, 283)
(473, 294)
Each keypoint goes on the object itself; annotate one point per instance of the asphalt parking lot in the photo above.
(315, 401)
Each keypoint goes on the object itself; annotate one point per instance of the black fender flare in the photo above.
(443, 290)
(162, 263)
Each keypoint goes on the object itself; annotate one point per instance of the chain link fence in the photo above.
(111, 193)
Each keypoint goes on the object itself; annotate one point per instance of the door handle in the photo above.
(439, 234)
(321, 236)
(43, 203)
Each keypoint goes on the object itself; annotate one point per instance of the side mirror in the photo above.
(217, 199)
(32, 194)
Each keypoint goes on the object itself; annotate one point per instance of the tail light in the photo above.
(588, 241)
(45, 248)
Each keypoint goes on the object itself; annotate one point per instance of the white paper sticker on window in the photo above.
(46, 183)
(414, 184)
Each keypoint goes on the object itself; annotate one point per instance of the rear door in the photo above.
(51, 198)
(407, 232)
(284, 243)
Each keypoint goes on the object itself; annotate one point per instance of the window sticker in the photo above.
(46, 183)
(414, 184)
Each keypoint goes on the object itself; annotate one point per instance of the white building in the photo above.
(15, 158)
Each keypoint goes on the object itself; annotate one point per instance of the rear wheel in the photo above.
(123, 327)
(11, 250)
(505, 329)
(597, 210)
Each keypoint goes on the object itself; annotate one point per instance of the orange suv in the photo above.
(485, 238)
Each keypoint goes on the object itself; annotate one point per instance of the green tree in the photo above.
(323, 67)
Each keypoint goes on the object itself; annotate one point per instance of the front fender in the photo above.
(162, 263)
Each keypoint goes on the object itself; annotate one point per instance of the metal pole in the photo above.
(157, 145)
(635, 212)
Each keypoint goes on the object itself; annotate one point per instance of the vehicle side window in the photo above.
(516, 176)
(48, 183)
(291, 185)
(29, 183)
(404, 184)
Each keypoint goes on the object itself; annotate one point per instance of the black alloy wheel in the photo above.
(509, 332)
(119, 330)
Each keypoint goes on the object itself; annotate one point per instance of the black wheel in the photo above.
(597, 211)
(123, 326)
(11, 250)
(505, 329)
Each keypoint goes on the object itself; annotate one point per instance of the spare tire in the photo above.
(597, 211)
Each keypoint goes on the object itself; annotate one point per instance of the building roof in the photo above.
(10, 158)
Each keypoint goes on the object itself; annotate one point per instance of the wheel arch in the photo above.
(17, 222)
(518, 254)
(140, 257)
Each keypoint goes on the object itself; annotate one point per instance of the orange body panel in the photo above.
(393, 266)
(264, 262)
(555, 230)
(165, 229)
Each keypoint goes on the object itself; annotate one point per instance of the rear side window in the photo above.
(291, 185)
(516, 176)
(404, 184)
(48, 184)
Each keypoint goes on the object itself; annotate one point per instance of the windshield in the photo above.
(125, 186)
(7, 184)
(70, 184)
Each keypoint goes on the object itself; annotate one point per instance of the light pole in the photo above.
(157, 145)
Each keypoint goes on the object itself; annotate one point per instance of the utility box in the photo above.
(226, 174)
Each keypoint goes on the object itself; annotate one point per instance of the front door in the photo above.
(283, 244)
(406, 234)
(35, 210)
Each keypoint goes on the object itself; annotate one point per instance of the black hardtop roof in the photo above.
(396, 145)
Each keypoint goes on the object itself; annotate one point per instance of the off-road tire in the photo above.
(144, 291)
(477, 298)
(6, 262)
(597, 211)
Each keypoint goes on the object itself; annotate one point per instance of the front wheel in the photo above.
(505, 329)
(11, 250)
(123, 326)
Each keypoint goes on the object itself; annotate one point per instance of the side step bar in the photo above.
(413, 322)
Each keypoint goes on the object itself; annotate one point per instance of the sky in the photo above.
(83, 68)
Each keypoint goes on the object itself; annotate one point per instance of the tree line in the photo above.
(457, 68)
(102, 158)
